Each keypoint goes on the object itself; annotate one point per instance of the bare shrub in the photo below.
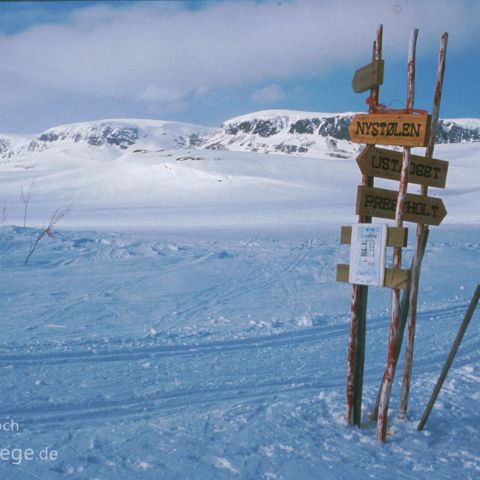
(57, 215)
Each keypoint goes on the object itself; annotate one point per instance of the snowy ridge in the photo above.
(269, 131)
(283, 131)
(458, 130)
(293, 132)
(116, 132)
(11, 144)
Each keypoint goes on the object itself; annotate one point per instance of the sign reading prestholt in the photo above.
(367, 77)
(367, 254)
(410, 130)
(383, 163)
(379, 202)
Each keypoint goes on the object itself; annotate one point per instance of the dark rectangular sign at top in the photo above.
(367, 77)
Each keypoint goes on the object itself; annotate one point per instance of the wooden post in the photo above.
(422, 232)
(451, 356)
(357, 332)
(393, 341)
(404, 306)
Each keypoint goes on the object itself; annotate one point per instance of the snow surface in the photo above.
(108, 187)
(184, 321)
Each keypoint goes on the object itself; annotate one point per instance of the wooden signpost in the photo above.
(408, 128)
(380, 202)
(401, 129)
(421, 235)
(394, 331)
(357, 329)
(383, 163)
(367, 77)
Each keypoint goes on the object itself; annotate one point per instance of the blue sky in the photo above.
(208, 61)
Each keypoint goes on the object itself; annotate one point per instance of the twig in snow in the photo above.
(26, 197)
(57, 215)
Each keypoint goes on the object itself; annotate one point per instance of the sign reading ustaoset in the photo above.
(383, 163)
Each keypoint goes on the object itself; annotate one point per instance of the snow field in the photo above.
(184, 322)
(185, 356)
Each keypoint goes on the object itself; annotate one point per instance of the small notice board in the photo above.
(367, 254)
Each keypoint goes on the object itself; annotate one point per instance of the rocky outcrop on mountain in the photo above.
(284, 132)
(121, 134)
(456, 131)
(335, 126)
(97, 134)
(4, 146)
(288, 132)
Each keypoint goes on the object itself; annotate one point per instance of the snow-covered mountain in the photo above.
(458, 130)
(271, 131)
(283, 131)
(123, 134)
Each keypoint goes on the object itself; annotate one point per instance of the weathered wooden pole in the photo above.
(451, 356)
(404, 305)
(357, 333)
(393, 340)
(422, 231)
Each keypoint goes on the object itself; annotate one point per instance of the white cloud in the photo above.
(154, 93)
(162, 53)
(270, 94)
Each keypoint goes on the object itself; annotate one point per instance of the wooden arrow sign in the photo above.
(367, 77)
(379, 202)
(410, 130)
(383, 163)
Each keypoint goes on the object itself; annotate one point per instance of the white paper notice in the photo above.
(367, 254)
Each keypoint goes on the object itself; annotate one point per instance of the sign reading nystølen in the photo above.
(409, 130)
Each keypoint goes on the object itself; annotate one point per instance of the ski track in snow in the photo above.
(146, 357)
